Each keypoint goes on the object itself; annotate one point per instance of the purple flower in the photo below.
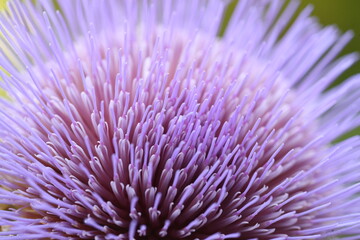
(134, 120)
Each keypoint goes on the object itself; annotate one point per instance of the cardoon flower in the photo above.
(134, 120)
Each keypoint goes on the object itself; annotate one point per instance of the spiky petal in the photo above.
(134, 120)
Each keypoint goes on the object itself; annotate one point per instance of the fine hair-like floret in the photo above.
(135, 120)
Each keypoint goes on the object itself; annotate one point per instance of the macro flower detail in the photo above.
(135, 120)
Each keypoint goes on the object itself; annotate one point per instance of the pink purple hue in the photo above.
(134, 120)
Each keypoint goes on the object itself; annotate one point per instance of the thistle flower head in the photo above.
(134, 120)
